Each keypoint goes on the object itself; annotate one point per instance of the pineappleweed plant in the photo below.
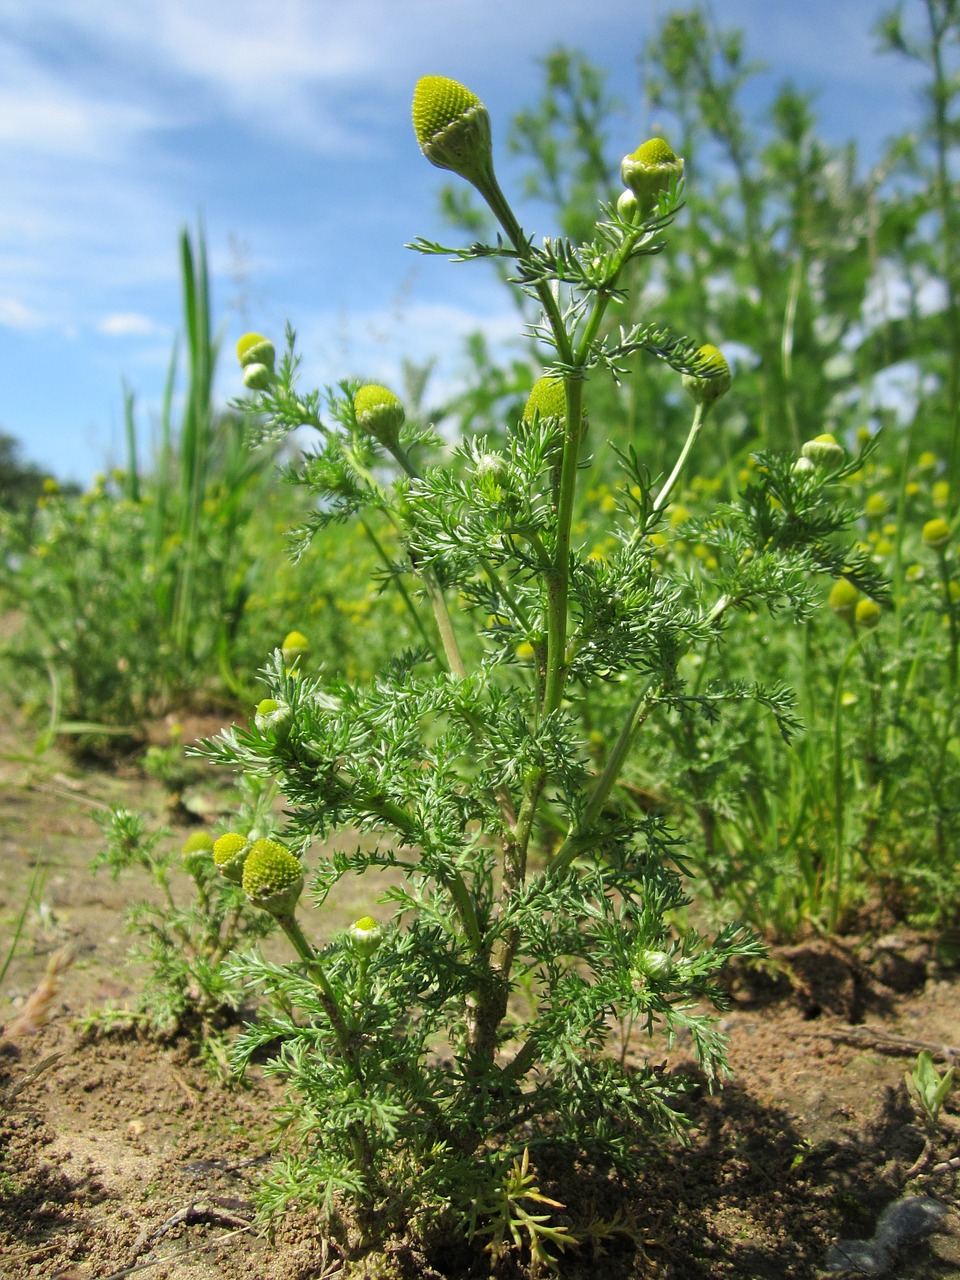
(530, 913)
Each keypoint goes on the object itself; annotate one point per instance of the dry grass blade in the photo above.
(38, 1010)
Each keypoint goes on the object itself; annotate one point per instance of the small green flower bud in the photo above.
(271, 714)
(295, 646)
(823, 451)
(229, 852)
(254, 348)
(867, 614)
(628, 206)
(654, 964)
(453, 128)
(650, 170)
(803, 467)
(257, 377)
(365, 936)
(714, 379)
(272, 878)
(379, 413)
(936, 534)
(843, 599)
(197, 852)
(548, 399)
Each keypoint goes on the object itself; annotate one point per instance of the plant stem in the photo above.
(699, 416)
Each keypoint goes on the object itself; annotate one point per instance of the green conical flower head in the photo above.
(936, 534)
(712, 381)
(254, 348)
(823, 451)
(379, 413)
(295, 646)
(547, 399)
(365, 936)
(271, 714)
(843, 599)
(453, 128)
(229, 852)
(197, 852)
(867, 614)
(272, 878)
(650, 170)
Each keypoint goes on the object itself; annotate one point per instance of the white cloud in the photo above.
(123, 323)
(14, 315)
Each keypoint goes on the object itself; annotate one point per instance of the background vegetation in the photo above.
(833, 288)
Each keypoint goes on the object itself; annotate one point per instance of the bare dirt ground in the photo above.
(125, 1157)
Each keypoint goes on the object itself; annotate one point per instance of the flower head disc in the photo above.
(650, 170)
(365, 936)
(867, 614)
(712, 379)
(272, 878)
(295, 646)
(453, 127)
(936, 533)
(254, 348)
(197, 852)
(229, 853)
(548, 399)
(379, 413)
(843, 599)
(823, 451)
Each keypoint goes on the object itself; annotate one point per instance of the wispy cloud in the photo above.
(125, 323)
(14, 315)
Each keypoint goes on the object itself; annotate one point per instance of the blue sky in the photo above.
(286, 125)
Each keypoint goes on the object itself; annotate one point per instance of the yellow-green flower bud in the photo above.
(229, 852)
(379, 413)
(713, 379)
(197, 853)
(650, 170)
(295, 646)
(272, 878)
(254, 348)
(803, 467)
(365, 936)
(843, 599)
(453, 128)
(271, 714)
(257, 377)
(936, 533)
(548, 399)
(867, 614)
(823, 451)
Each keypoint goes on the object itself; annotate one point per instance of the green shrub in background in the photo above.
(164, 587)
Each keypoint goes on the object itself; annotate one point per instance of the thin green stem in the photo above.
(398, 582)
(699, 416)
